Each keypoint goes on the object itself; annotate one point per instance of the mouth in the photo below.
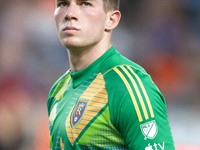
(70, 29)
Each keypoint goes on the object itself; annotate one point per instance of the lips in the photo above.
(70, 29)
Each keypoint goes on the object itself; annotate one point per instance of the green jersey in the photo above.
(112, 104)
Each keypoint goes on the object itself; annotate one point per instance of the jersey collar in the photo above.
(82, 75)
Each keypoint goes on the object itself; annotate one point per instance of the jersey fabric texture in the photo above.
(112, 105)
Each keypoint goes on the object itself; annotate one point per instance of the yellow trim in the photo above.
(80, 126)
(100, 99)
(90, 89)
(86, 118)
(101, 95)
(96, 85)
(93, 96)
(94, 109)
(95, 104)
(84, 122)
(144, 91)
(71, 141)
(87, 94)
(70, 134)
(131, 94)
(87, 112)
(137, 91)
(68, 124)
(61, 144)
(69, 129)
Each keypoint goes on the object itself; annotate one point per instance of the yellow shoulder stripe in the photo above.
(144, 91)
(130, 75)
(131, 94)
(137, 91)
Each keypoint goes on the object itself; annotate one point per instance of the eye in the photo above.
(85, 4)
(62, 4)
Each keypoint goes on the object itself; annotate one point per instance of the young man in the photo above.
(104, 101)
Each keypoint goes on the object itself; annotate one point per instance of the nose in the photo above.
(71, 13)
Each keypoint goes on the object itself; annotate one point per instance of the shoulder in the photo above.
(118, 60)
(130, 86)
(118, 70)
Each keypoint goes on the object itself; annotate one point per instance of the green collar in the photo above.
(82, 75)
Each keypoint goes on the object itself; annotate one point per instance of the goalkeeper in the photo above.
(104, 101)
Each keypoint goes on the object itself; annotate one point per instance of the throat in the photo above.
(84, 58)
(81, 60)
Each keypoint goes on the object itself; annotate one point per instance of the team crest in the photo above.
(78, 112)
(149, 129)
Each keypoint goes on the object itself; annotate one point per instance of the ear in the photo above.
(113, 20)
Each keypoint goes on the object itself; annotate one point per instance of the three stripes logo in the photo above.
(140, 98)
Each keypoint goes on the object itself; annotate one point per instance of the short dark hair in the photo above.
(111, 5)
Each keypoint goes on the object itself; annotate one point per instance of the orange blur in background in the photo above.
(161, 36)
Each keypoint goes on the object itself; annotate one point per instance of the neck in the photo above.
(83, 57)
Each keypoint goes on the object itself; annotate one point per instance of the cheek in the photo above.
(96, 21)
(56, 21)
(58, 18)
(56, 15)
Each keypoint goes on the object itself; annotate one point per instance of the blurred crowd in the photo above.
(163, 36)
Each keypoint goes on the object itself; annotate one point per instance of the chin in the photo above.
(68, 43)
(72, 46)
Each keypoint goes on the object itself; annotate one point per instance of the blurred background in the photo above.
(163, 36)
